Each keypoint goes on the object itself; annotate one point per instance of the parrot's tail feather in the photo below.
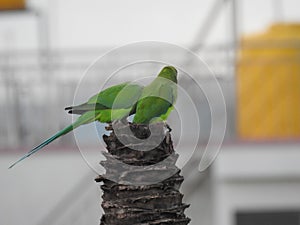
(77, 112)
(49, 140)
(86, 107)
(83, 119)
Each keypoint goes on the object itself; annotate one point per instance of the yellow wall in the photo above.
(268, 84)
(12, 4)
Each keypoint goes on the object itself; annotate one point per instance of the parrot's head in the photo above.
(169, 72)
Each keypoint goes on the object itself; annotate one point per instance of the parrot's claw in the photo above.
(168, 127)
(109, 127)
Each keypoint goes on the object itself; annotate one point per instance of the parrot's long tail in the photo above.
(46, 142)
(85, 118)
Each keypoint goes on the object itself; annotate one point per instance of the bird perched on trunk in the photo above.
(149, 104)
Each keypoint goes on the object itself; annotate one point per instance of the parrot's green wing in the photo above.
(165, 116)
(173, 98)
(155, 105)
(122, 96)
(109, 115)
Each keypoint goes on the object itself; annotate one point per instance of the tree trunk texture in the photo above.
(141, 187)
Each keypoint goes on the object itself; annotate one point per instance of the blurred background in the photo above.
(253, 48)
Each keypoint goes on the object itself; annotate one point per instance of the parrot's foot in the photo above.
(168, 127)
(109, 127)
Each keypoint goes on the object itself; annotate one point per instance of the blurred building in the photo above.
(268, 82)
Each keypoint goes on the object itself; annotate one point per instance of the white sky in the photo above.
(99, 23)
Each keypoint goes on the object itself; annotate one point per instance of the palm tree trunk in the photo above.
(141, 187)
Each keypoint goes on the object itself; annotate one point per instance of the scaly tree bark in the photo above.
(141, 187)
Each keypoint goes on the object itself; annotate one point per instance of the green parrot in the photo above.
(120, 101)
